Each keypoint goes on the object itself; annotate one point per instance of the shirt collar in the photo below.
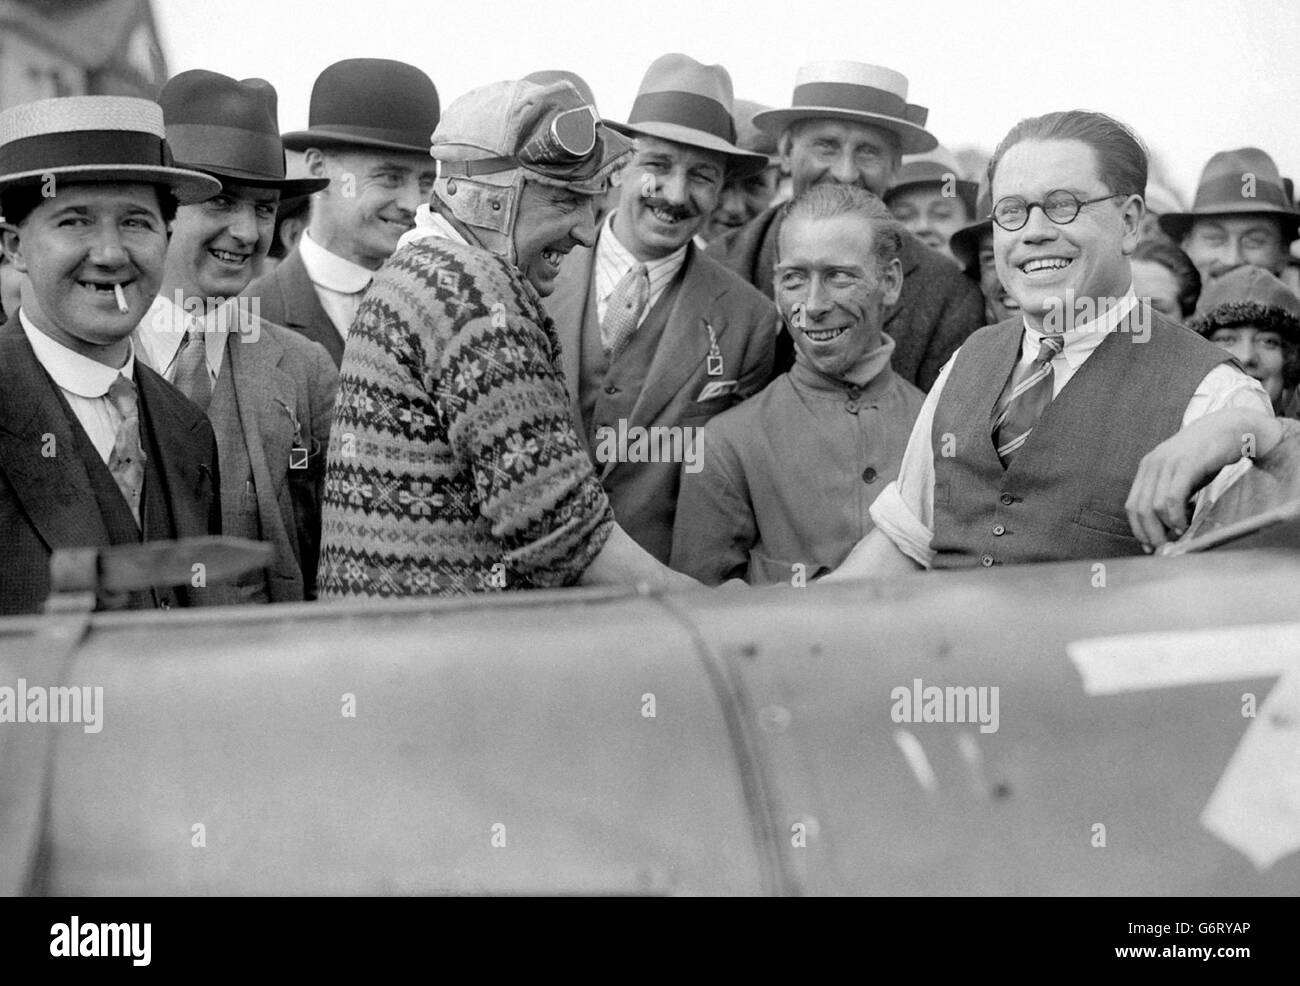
(331, 271)
(72, 371)
(622, 259)
(1084, 337)
(163, 328)
(429, 222)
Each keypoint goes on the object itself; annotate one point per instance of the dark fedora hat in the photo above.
(94, 139)
(228, 129)
(1241, 182)
(860, 93)
(370, 102)
(685, 102)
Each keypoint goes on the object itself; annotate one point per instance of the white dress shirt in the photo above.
(84, 383)
(614, 260)
(904, 511)
(158, 338)
(339, 283)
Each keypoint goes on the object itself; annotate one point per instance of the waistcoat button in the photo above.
(986, 561)
(868, 475)
(1007, 499)
(998, 530)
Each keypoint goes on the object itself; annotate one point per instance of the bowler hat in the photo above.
(936, 167)
(856, 92)
(1248, 295)
(683, 101)
(94, 139)
(228, 129)
(370, 102)
(1240, 182)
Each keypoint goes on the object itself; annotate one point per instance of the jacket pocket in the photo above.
(1096, 520)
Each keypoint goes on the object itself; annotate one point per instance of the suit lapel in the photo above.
(684, 345)
(37, 450)
(179, 446)
(304, 311)
(264, 397)
(567, 307)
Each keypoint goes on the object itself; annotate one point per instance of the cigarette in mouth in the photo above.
(121, 299)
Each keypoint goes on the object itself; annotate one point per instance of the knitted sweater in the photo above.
(454, 465)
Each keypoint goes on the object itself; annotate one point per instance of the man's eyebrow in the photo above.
(405, 169)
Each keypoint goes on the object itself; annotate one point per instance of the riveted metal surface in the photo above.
(869, 804)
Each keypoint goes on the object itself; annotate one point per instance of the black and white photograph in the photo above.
(679, 448)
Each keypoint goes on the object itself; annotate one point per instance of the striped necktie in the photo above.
(1023, 401)
(191, 374)
(126, 461)
(623, 314)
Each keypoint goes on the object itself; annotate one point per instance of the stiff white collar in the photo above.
(331, 271)
(72, 371)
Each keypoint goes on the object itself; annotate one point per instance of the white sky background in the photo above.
(1192, 77)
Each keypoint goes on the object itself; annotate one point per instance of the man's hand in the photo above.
(1176, 468)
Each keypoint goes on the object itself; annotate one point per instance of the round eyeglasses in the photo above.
(1060, 206)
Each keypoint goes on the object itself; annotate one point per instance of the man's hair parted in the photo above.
(1121, 154)
(828, 200)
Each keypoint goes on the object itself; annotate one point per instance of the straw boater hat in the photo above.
(94, 139)
(370, 102)
(936, 167)
(1242, 182)
(856, 92)
(689, 103)
(228, 129)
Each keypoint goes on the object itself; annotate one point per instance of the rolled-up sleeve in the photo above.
(1224, 387)
(904, 511)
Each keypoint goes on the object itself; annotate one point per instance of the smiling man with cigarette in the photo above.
(95, 448)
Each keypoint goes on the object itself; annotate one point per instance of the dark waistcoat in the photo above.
(607, 393)
(156, 522)
(1063, 496)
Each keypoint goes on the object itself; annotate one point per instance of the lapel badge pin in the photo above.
(713, 364)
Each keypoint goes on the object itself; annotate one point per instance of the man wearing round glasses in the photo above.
(1028, 445)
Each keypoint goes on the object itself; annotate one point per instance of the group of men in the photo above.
(519, 345)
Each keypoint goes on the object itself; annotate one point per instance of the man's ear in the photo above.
(1131, 213)
(314, 160)
(11, 240)
(891, 281)
(783, 146)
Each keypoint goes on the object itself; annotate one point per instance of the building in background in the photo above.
(78, 48)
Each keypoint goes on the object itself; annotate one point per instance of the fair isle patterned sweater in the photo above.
(454, 466)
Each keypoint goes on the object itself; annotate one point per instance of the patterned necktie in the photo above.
(626, 306)
(1023, 401)
(191, 375)
(126, 461)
